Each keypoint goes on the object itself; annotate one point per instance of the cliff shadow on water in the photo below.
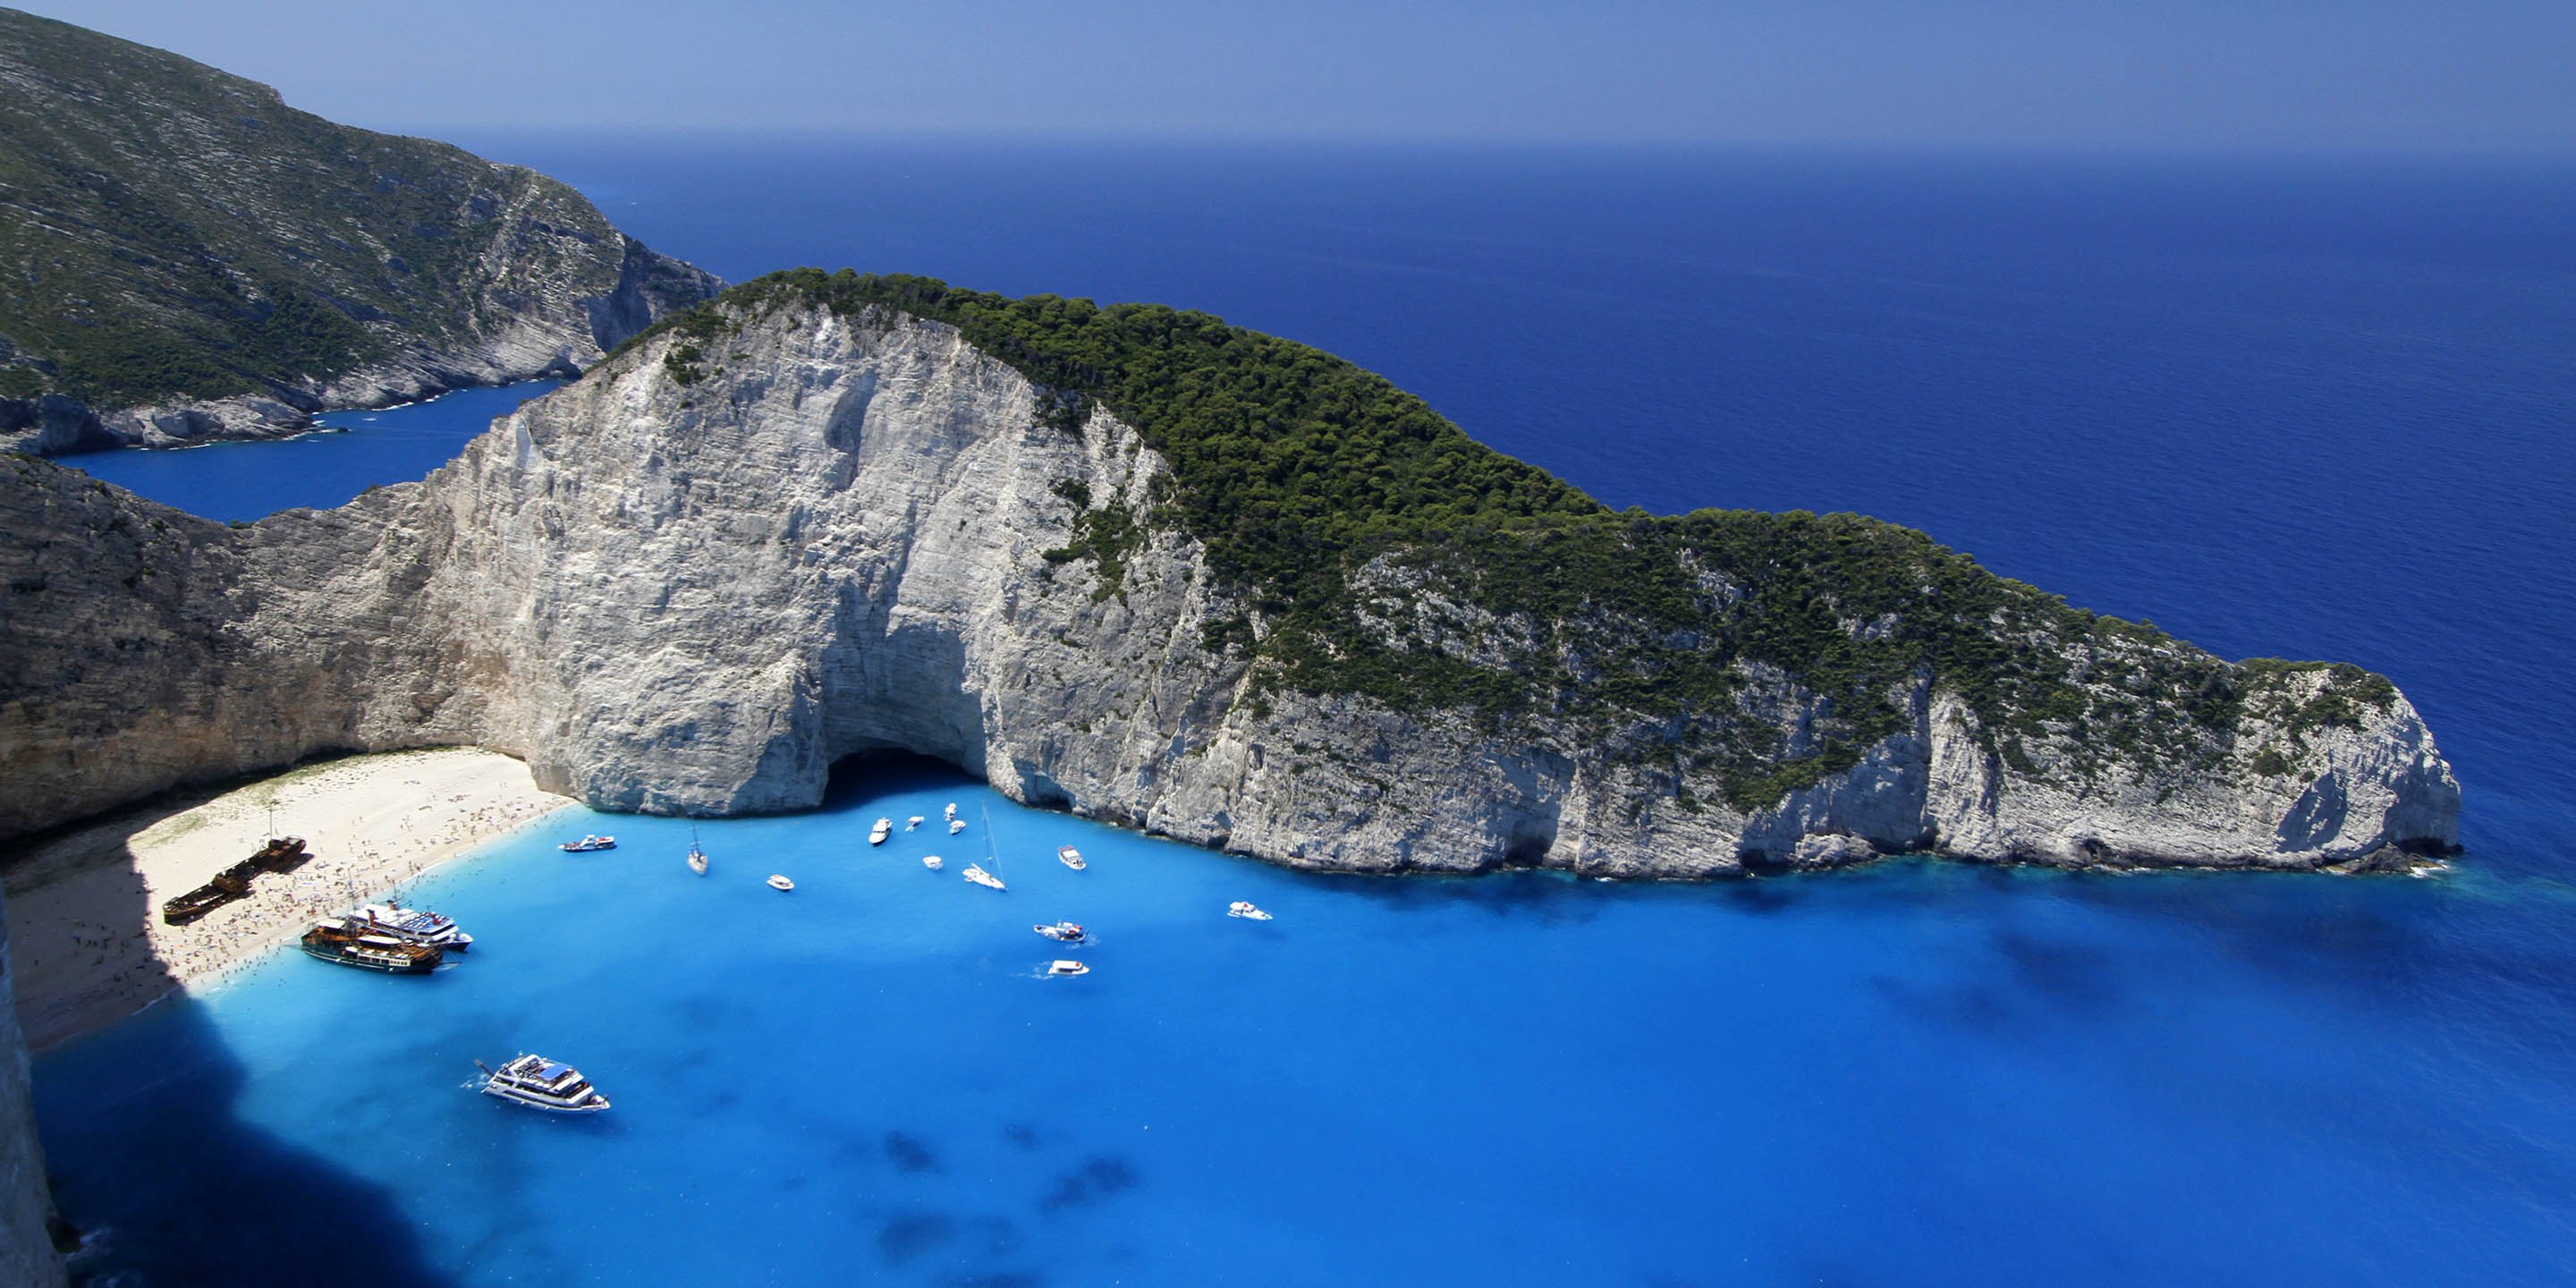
(148, 1154)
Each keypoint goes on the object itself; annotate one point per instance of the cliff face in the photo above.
(694, 579)
(26, 1246)
(191, 259)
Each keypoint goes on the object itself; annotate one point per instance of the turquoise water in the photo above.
(2283, 408)
(1921, 1072)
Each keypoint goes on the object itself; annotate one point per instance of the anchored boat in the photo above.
(778, 882)
(1063, 932)
(883, 829)
(930, 861)
(540, 1083)
(912, 822)
(697, 857)
(587, 844)
(1063, 966)
(343, 946)
(411, 925)
(1070, 857)
(981, 877)
(1243, 909)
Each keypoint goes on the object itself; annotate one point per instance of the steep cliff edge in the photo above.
(187, 258)
(26, 1244)
(1191, 579)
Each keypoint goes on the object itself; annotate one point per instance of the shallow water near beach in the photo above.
(1519, 1079)
(2301, 409)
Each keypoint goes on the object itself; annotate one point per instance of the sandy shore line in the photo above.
(86, 942)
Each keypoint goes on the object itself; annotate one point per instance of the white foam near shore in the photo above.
(87, 944)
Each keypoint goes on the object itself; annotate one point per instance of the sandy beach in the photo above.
(87, 944)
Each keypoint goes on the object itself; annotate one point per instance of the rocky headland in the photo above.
(190, 259)
(1190, 579)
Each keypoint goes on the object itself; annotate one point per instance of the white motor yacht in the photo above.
(1071, 857)
(778, 882)
(951, 812)
(587, 844)
(540, 1083)
(912, 822)
(410, 925)
(1243, 909)
(1063, 932)
(883, 829)
(930, 861)
(956, 825)
(1063, 966)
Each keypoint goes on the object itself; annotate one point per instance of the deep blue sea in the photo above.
(2295, 407)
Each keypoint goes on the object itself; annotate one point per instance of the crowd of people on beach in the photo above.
(107, 970)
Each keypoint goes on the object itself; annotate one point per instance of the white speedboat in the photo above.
(540, 1083)
(1243, 909)
(778, 882)
(951, 812)
(1071, 857)
(1064, 966)
(976, 874)
(956, 825)
(410, 925)
(1063, 932)
(883, 829)
(912, 822)
(930, 861)
(587, 844)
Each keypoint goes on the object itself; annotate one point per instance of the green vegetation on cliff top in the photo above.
(168, 230)
(1388, 554)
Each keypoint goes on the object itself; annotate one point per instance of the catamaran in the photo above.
(540, 1083)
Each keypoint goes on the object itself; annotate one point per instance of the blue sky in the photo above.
(2469, 76)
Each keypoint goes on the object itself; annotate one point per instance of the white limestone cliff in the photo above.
(696, 597)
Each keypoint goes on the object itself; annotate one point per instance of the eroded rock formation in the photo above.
(692, 586)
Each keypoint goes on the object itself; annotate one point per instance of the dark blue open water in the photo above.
(2310, 408)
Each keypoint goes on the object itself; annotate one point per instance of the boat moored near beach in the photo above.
(540, 1083)
(411, 925)
(340, 945)
(877, 835)
(697, 857)
(587, 844)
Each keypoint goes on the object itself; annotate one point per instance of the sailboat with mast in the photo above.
(976, 872)
(697, 856)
